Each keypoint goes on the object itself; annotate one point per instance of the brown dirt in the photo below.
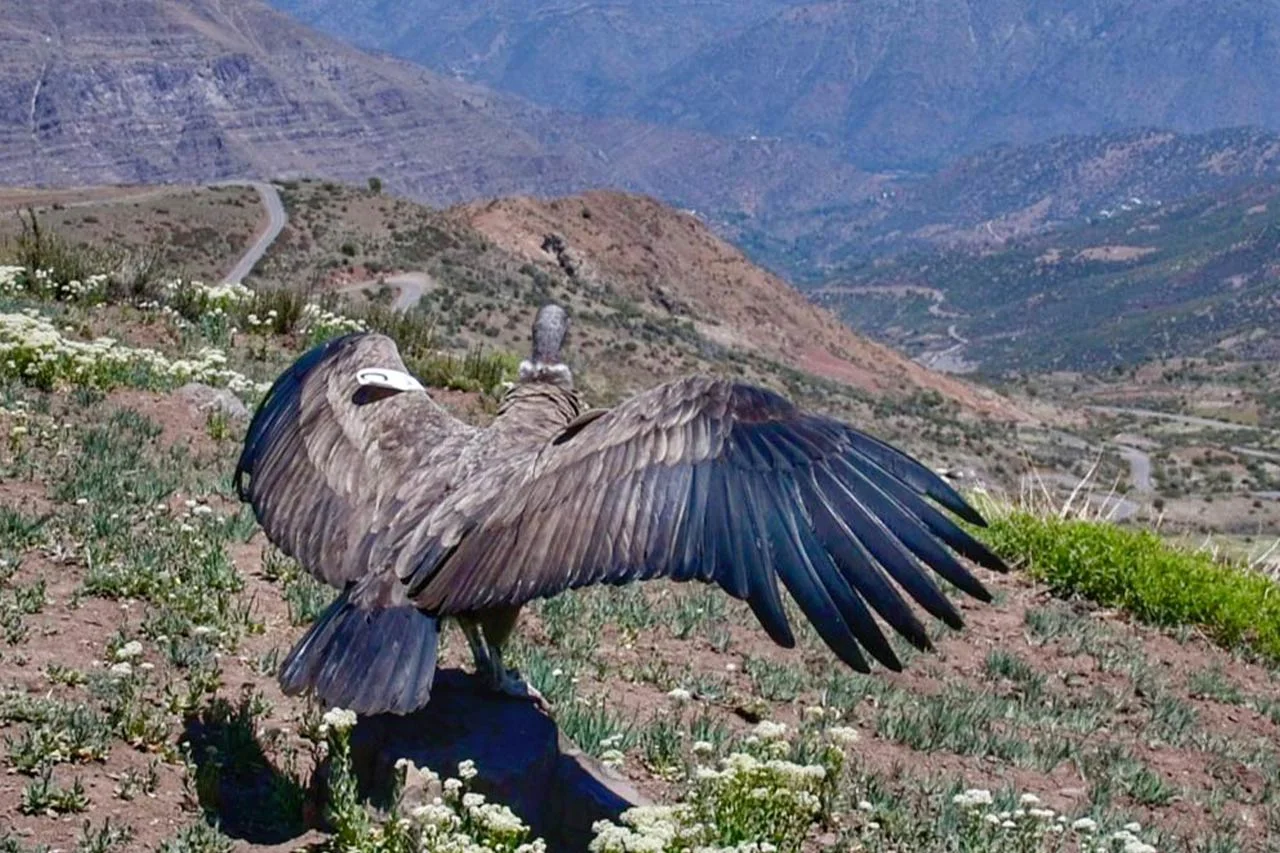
(668, 261)
(199, 231)
(1115, 254)
(76, 637)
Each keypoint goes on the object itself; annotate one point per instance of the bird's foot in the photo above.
(511, 684)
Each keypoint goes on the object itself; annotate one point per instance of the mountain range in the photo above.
(741, 113)
(888, 84)
(146, 91)
(1133, 282)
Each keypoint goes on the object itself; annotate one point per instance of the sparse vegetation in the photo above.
(143, 618)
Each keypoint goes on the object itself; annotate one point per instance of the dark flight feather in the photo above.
(698, 479)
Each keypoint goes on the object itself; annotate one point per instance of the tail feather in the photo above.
(368, 661)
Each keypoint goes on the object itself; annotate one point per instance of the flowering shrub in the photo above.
(756, 802)
(319, 324)
(18, 280)
(1027, 827)
(445, 818)
(192, 299)
(34, 351)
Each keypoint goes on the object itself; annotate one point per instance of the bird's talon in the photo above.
(513, 685)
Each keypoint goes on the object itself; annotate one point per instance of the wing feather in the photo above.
(322, 461)
(709, 480)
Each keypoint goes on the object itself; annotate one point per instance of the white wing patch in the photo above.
(392, 380)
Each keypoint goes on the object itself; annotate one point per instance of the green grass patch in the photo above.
(1138, 571)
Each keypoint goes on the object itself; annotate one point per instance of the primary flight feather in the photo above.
(356, 472)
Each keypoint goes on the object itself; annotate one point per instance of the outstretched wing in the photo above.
(717, 481)
(328, 458)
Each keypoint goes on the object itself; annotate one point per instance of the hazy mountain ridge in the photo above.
(581, 57)
(885, 84)
(1008, 192)
(162, 91)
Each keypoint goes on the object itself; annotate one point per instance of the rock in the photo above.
(207, 399)
(522, 760)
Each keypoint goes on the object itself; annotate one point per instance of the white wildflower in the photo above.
(338, 719)
(769, 730)
(972, 798)
(843, 735)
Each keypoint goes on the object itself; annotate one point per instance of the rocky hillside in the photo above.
(157, 91)
(154, 91)
(887, 84)
(670, 263)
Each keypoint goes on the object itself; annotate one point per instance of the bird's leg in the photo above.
(487, 632)
(509, 682)
(479, 648)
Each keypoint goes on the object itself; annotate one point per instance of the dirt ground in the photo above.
(1092, 713)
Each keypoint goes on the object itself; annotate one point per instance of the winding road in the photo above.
(1190, 420)
(1140, 462)
(276, 220)
(409, 288)
(409, 285)
(1139, 467)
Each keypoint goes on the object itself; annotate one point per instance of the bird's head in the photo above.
(544, 363)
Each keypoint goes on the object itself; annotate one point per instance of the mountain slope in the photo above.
(1147, 282)
(183, 90)
(887, 84)
(669, 263)
(1008, 192)
(912, 84)
(582, 57)
(159, 90)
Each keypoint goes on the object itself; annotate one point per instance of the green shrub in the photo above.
(1138, 571)
(68, 266)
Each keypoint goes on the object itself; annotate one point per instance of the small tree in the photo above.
(375, 185)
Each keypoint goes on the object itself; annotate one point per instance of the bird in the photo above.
(417, 517)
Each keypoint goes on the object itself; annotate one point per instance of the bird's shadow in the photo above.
(237, 784)
(522, 759)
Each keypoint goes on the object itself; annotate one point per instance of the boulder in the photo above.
(521, 759)
(207, 399)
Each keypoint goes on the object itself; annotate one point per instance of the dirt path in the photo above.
(948, 360)
(1139, 466)
(276, 220)
(1269, 455)
(409, 288)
